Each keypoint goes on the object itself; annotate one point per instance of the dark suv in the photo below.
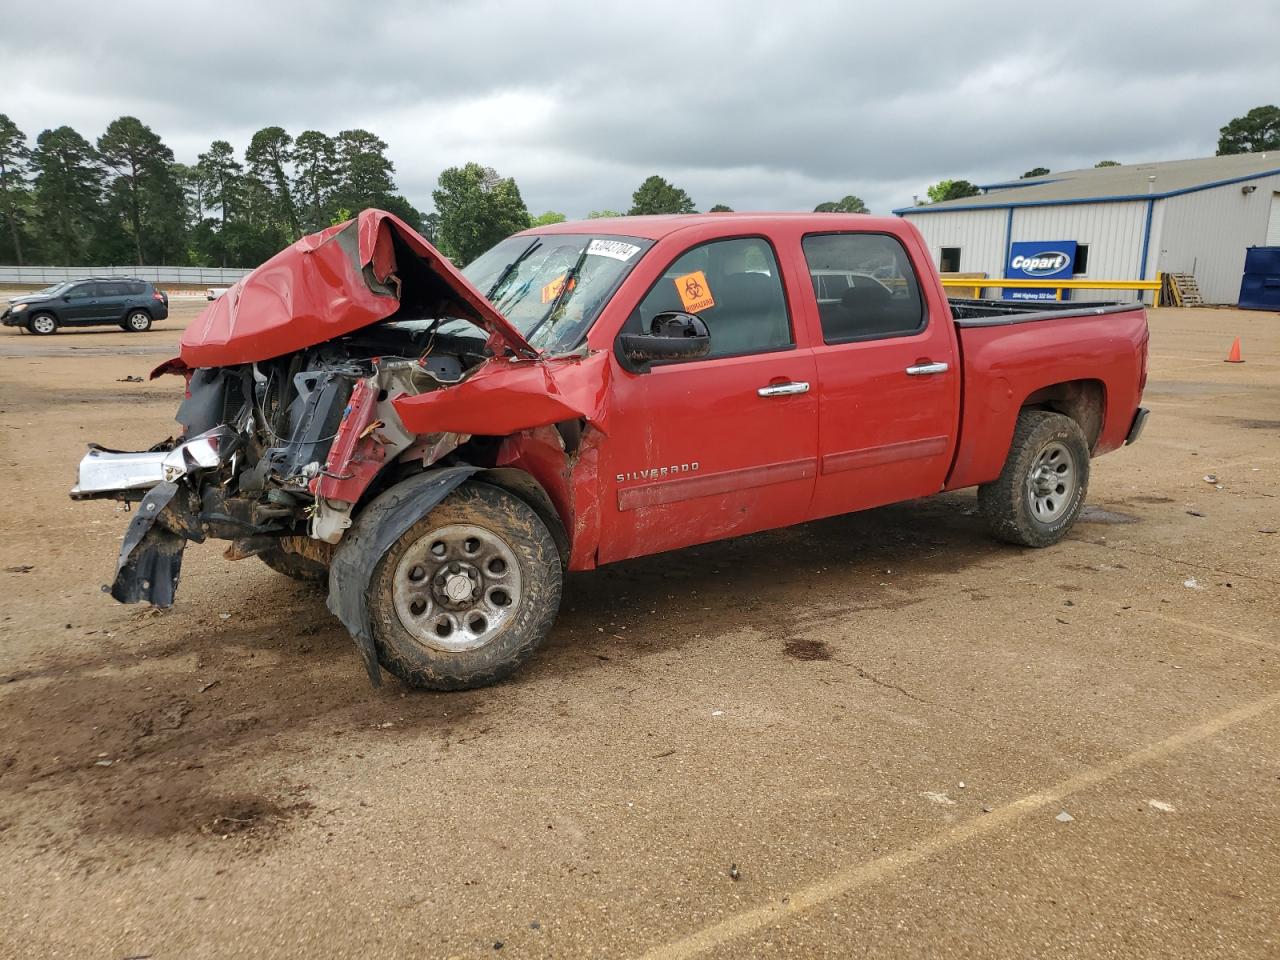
(132, 304)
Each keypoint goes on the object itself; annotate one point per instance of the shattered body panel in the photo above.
(333, 283)
(505, 396)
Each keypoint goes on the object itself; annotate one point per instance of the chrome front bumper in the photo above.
(105, 473)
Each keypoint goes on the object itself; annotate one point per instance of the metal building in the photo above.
(1113, 223)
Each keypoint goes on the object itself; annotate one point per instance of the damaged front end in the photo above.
(341, 391)
(279, 453)
(288, 418)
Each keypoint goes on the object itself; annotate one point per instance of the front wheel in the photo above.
(1040, 491)
(467, 594)
(43, 324)
(138, 321)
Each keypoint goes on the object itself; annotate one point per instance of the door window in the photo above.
(734, 286)
(83, 292)
(870, 287)
(113, 289)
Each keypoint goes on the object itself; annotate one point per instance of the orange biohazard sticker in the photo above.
(552, 289)
(695, 292)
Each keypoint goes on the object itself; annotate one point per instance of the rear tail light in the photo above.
(157, 296)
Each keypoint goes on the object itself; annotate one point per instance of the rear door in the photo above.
(113, 300)
(888, 377)
(717, 447)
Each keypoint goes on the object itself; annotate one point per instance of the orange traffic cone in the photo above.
(1234, 355)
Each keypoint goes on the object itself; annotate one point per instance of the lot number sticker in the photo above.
(614, 249)
(694, 291)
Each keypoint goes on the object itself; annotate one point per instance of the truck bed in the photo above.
(989, 313)
(1088, 360)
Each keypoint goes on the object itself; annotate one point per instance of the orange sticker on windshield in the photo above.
(694, 291)
(554, 288)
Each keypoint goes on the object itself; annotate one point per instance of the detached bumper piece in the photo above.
(1135, 430)
(112, 473)
(150, 562)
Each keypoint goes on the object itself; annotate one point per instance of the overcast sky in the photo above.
(769, 105)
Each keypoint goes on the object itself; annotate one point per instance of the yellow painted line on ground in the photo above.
(858, 876)
(1205, 628)
(1248, 460)
(1158, 373)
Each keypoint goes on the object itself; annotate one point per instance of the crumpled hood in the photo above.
(333, 283)
(30, 298)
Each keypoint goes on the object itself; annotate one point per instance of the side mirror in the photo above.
(671, 336)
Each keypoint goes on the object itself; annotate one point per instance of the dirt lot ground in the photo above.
(855, 738)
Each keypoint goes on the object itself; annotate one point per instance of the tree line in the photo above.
(124, 198)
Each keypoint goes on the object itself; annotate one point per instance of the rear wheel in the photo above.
(43, 324)
(1040, 491)
(467, 594)
(138, 321)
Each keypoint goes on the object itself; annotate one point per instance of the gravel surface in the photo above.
(855, 738)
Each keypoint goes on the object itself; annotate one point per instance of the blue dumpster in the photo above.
(1260, 287)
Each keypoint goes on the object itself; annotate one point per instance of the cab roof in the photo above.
(663, 225)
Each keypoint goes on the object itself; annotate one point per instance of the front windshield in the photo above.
(551, 287)
(56, 289)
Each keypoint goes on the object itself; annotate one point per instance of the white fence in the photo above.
(204, 276)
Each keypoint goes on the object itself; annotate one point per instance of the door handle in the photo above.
(784, 389)
(925, 369)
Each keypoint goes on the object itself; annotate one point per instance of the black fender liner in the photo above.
(379, 525)
(150, 562)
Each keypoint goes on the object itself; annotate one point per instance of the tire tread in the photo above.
(1003, 501)
(403, 658)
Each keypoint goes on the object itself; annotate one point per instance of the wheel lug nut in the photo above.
(454, 568)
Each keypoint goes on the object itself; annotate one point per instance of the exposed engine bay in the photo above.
(268, 449)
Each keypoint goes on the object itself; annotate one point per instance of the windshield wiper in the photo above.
(570, 279)
(511, 267)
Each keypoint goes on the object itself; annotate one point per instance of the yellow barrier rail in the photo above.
(988, 283)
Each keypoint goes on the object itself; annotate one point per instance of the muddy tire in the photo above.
(468, 593)
(43, 324)
(1040, 491)
(294, 565)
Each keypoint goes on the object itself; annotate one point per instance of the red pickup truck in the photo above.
(439, 446)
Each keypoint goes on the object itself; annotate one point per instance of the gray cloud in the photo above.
(760, 105)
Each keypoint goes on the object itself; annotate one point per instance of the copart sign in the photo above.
(1040, 260)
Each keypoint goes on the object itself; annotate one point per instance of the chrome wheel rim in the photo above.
(139, 321)
(457, 588)
(43, 325)
(1051, 482)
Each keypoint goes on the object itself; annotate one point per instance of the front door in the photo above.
(81, 304)
(725, 445)
(888, 375)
